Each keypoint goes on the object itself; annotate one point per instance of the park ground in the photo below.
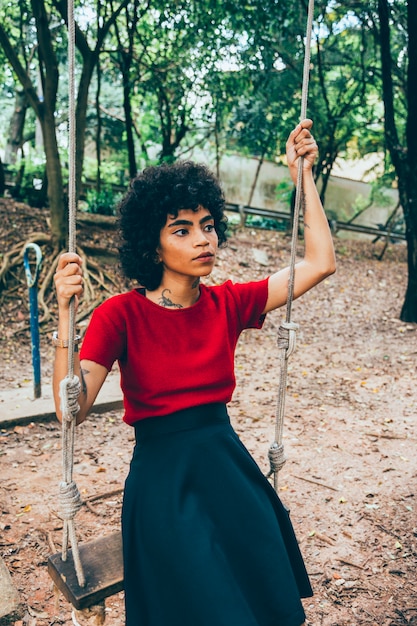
(350, 480)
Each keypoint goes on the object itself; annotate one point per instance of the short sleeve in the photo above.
(250, 299)
(105, 338)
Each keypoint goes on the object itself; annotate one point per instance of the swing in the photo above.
(90, 572)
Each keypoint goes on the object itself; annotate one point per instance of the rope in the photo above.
(70, 499)
(287, 331)
(69, 496)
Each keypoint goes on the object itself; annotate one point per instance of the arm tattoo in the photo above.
(304, 205)
(83, 383)
(166, 301)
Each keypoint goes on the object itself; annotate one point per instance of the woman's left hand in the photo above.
(301, 143)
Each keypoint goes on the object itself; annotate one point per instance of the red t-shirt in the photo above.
(172, 359)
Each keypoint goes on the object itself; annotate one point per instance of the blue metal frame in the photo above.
(32, 282)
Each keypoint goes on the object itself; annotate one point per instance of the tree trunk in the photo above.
(99, 125)
(90, 58)
(256, 177)
(81, 116)
(57, 204)
(17, 124)
(45, 111)
(323, 169)
(325, 177)
(217, 129)
(404, 160)
(409, 308)
(2, 178)
(129, 124)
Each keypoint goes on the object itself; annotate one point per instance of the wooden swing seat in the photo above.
(102, 561)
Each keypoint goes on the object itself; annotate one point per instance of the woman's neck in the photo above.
(175, 295)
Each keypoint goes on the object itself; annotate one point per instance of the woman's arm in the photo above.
(319, 258)
(69, 283)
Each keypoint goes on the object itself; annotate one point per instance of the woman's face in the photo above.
(188, 243)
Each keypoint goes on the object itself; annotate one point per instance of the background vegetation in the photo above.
(165, 80)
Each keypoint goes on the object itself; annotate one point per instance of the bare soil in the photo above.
(351, 476)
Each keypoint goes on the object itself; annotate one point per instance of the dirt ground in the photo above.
(351, 475)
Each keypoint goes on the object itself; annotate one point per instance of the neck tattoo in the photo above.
(195, 283)
(166, 301)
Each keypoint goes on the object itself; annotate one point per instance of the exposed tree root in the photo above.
(46, 283)
(96, 281)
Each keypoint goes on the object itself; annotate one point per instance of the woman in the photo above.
(206, 539)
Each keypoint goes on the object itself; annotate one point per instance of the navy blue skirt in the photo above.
(206, 540)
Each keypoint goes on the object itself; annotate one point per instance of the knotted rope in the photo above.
(287, 331)
(69, 496)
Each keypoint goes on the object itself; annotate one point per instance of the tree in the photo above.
(45, 105)
(342, 100)
(15, 136)
(48, 41)
(185, 72)
(400, 142)
(262, 117)
(90, 52)
(177, 50)
(124, 58)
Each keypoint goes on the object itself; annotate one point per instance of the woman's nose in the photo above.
(201, 238)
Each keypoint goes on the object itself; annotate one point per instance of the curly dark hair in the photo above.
(154, 194)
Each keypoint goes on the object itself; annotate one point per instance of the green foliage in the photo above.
(377, 197)
(266, 223)
(30, 181)
(209, 74)
(284, 192)
(33, 169)
(112, 170)
(258, 221)
(103, 202)
(343, 102)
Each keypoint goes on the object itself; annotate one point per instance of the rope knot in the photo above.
(276, 457)
(69, 500)
(69, 390)
(287, 337)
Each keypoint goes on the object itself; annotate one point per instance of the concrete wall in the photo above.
(237, 176)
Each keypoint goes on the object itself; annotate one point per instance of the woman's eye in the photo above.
(209, 228)
(181, 232)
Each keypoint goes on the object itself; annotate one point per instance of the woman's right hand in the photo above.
(301, 143)
(68, 280)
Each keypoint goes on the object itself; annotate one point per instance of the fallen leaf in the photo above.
(39, 614)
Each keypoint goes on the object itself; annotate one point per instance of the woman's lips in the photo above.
(206, 256)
